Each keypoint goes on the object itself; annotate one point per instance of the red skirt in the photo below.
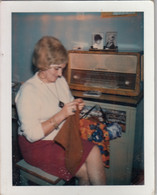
(49, 156)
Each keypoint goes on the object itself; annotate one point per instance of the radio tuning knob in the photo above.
(127, 82)
(76, 77)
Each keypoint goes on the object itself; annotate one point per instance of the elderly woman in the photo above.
(44, 102)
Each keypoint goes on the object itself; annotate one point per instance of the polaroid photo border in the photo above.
(7, 8)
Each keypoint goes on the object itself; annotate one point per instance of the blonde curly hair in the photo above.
(49, 51)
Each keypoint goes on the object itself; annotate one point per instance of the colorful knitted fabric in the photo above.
(96, 133)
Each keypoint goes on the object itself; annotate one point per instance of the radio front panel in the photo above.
(113, 73)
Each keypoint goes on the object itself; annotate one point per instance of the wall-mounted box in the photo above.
(107, 72)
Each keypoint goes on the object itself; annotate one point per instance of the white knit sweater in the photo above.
(36, 102)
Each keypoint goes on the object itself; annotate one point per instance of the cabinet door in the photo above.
(121, 148)
(119, 171)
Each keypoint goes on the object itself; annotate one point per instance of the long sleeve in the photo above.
(29, 109)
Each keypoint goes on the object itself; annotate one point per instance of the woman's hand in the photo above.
(70, 108)
(80, 103)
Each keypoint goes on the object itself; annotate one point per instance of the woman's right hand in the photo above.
(69, 109)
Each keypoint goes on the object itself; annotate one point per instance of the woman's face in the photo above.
(98, 41)
(54, 72)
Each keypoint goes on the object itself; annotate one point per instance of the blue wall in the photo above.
(73, 29)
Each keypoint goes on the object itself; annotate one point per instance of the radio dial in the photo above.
(76, 77)
(127, 82)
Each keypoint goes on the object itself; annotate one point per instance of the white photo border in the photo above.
(9, 7)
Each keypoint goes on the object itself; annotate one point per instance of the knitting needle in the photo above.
(88, 112)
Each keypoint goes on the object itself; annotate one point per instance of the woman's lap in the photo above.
(49, 156)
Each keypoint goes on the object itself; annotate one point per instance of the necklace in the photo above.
(60, 103)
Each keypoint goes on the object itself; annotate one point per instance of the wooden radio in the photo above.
(105, 72)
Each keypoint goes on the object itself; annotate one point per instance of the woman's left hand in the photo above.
(80, 103)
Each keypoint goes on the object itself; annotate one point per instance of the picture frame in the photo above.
(98, 41)
(111, 40)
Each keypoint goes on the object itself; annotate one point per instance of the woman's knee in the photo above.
(96, 149)
(95, 153)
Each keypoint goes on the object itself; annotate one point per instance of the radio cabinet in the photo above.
(106, 72)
